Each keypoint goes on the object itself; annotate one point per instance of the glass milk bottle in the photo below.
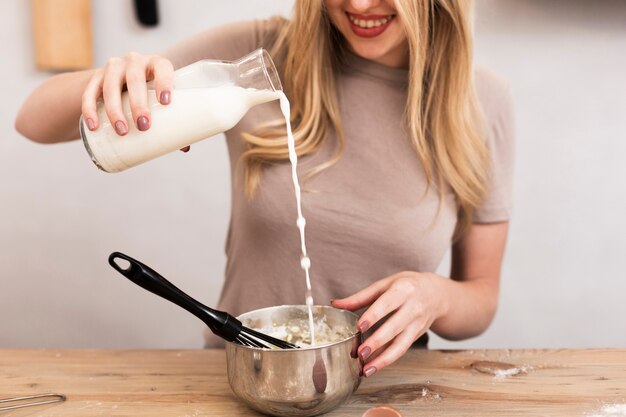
(209, 97)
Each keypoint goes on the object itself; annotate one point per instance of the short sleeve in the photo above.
(495, 99)
(227, 42)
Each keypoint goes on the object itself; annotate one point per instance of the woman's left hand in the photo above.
(413, 302)
(455, 308)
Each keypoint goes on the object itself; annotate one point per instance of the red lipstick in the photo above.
(369, 26)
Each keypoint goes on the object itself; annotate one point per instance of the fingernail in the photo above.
(364, 326)
(120, 128)
(143, 123)
(365, 353)
(91, 125)
(332, 300)
(165, 97)
(370, 371)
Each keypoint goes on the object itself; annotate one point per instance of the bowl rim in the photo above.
(356, 333)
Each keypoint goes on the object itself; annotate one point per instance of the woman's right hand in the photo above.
(131, 71)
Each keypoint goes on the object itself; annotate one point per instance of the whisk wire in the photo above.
(269, 339)
(249, 341)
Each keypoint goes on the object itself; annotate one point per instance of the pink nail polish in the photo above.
(365, 353)
(364, 326)
(165, 97)
(120, 128)
(90, 124)
(143, 123)
(370, 371)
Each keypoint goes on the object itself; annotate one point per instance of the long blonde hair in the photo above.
(442, 115)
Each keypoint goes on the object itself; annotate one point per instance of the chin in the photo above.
(370, 52)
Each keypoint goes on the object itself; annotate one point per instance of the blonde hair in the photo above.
(442, 116)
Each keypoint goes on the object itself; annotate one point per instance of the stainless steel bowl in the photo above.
(295, 382)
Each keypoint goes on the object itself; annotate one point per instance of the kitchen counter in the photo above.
(193, 383)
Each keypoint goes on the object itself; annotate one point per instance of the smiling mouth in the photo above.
(369, 22)
(369, 26)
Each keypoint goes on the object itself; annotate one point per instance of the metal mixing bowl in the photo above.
(295, 382)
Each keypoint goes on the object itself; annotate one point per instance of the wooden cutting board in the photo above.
(62, 34)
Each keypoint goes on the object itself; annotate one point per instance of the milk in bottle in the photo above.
(209, 97)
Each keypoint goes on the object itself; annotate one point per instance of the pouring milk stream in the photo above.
(210, 97)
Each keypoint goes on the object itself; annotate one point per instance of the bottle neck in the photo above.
(256, 70)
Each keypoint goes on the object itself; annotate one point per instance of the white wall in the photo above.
(563, 283)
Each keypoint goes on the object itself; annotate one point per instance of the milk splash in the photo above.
(305, 261)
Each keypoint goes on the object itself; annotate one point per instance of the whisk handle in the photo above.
(221, 323)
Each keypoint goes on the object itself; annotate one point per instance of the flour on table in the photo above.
(499, 370)
(610, 410)
(505, 373)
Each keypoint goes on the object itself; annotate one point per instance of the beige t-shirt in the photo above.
(368, 216)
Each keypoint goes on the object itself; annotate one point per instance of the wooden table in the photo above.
(193, 383)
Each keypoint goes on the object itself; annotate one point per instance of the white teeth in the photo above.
(368, 24)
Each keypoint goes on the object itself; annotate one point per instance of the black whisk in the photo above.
(221, 323)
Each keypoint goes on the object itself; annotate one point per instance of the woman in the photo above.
(407, 151)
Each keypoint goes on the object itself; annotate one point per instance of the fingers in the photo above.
(364, 297)
(132, 70)
(396, 323)
(393, 338)
(90, 97)
(403, 300)
(163, 73)
(155, 67)
(386, 303)
(114, 76)
(138, 93)
(395, 350)
(139, 68)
